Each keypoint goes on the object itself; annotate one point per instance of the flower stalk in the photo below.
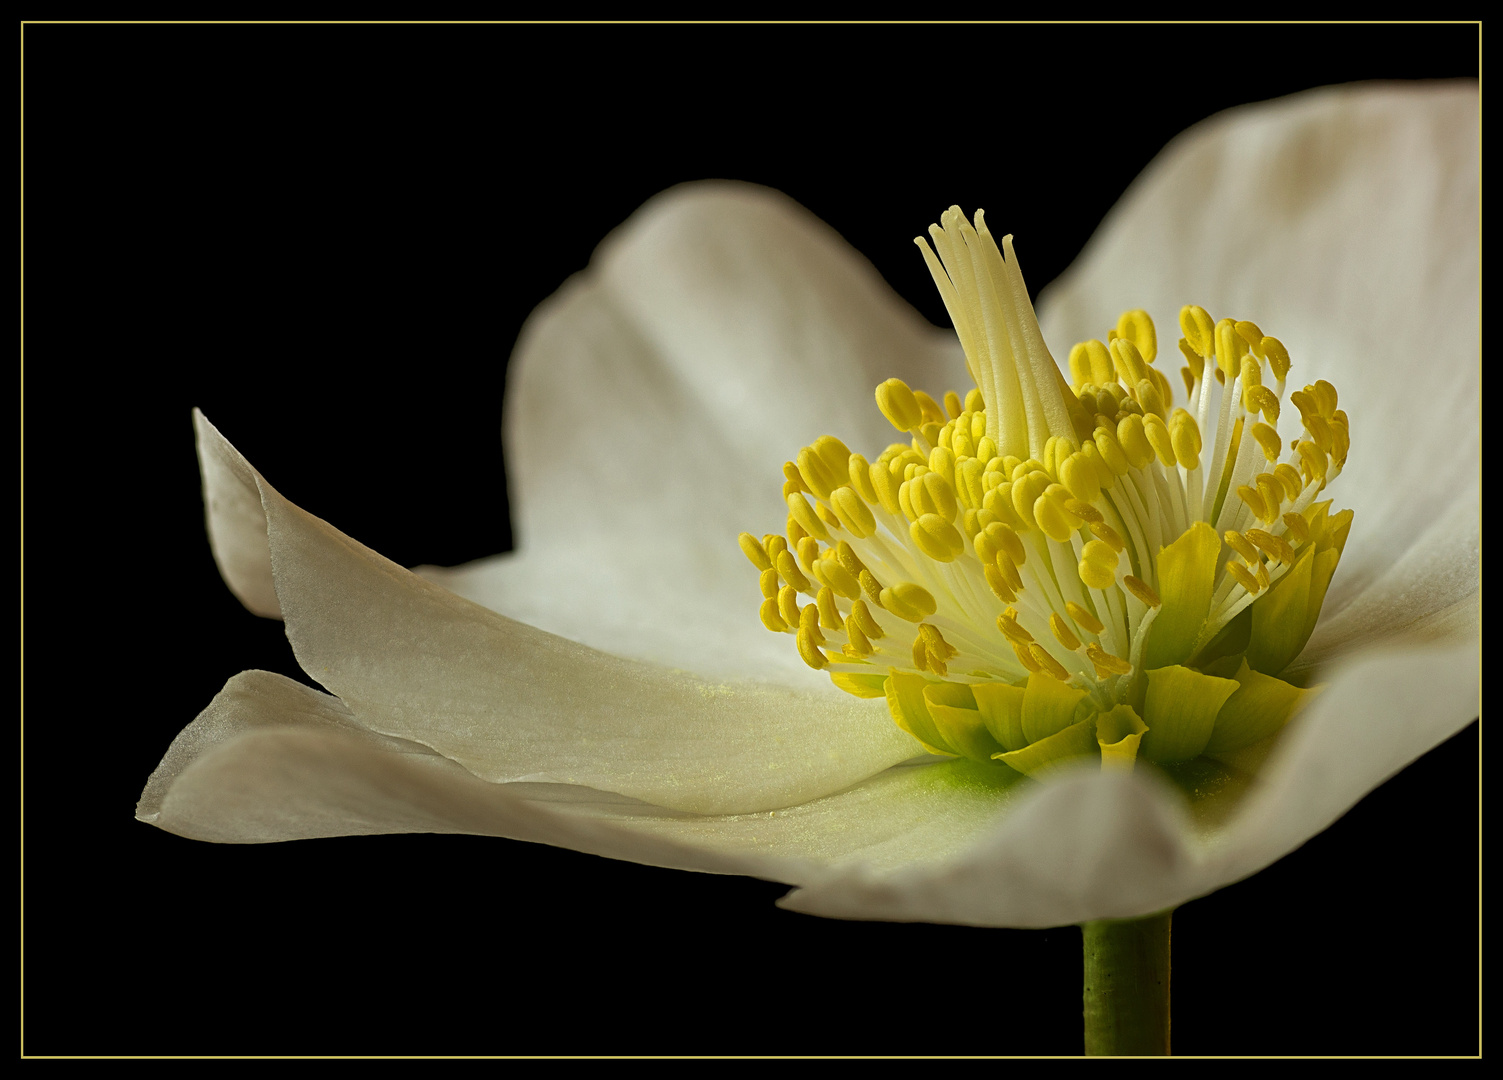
(1127, 986)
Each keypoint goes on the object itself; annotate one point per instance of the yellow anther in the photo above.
(929, 408)
(952, 404)
(791, 487)
(1025, 493)
(1199, 330)
(1230, 348)
(937, 497)
(1272, 490)
(1188, 377)
(1009, 571)
(856, 646)
(788, 605)
(920, 654)
(1184, 433)
(1305, 402)
(962, 444)
(936, 643)
(942, 462)
(885, 486)
(1000, 586)
(1325, 397)
(1007, 622)
(846, 556)
(1098, 564)
(1261, 572)
(809, 651)
(1110, 451)
(861, 616)
(854, 515)
(1083, 510)
(1254, 500)
(789, 571)
(1250, 333)
(969, 490)
(829, 614)
(1244, 578)
(823, 466)
(1141, 589)
(808, 620)
(1341, 438)
(808, 554)
(985, 448)
(1269, 440)
(1047, 663)
(1106, 663)
(840, 579)
(802, 513)
(791, 475)
(1276, 546)
(860, 472)
(1026, 658)
(1313, 459)
(795, 531)
(998, 501)
(754, 551)
(1252, 375)
(1095, 360)
(1160, 439)
(1128, 362)
(871, 586)
(1277, 356)
(771, 617)
(1050, 515)
(1004, 538)
(1296, 526)
(1289, 476)
(899, 405)
(1134, 441)
(1083, 618)
(1107, 535)
(828, 516)
(909, 601)
(1195, 364)
(1150, 398)
(1241, 545)
(1137, 328)
(929, 433)
(772, 543)
(1320, 431)
(1261, 399)
(769, 583)
(936, 538)
(1062, 632)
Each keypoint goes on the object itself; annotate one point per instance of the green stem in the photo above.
(1127, 986)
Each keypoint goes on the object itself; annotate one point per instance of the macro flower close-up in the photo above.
(1072, 610)
(613, 669)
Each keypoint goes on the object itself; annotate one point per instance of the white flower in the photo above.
(639, 709)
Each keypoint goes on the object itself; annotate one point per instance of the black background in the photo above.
(327, 237)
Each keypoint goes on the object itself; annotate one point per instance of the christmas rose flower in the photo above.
(611, 687)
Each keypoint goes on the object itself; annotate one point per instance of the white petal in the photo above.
(651, 404)
(1345, 223)
(237, 527)
(271, 759)
(509, 702)
(1097, 845)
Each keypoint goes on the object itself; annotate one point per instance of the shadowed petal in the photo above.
(651, 404)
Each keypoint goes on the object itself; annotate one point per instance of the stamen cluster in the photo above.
(1045, 533)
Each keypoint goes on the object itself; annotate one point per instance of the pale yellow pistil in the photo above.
(1079, 535)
